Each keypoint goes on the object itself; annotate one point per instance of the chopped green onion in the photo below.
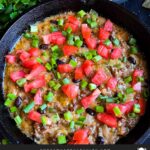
(69, 30)
(64, 33)
(39, 60)
(68, 116)
(60, 22)
(33, 28)
(82, 118)
(87, 55)
(117, 111)
(57, 86)
(92, 86)
(73, 63)
(136, 108)
(44, 120)
(132, 41)
(33, 91)
(97, 58)
(110, 100)
(62, 139)
(21, 82)
(81, 13)
(11, 96)
(66, 81)
(140, 79)
(79, 123)
(133, 50)
(116, 42)
(129, 90)
(124, 59)
(43, 107)
(55, 118)
(78, 43)
(27, 35)
(45, 54)
(53, 29)
(80, 111)
(8, 102)
(52, 83)
(84, 84)
(128, 79)
(13, 109)
(94, 14)
(18, 120)
(35, 43)
(51, 110)
(29, 107)
(76, 38)
(107, 42)
(48, 66)
(58, 75)
(93, 24)
(145, 93)
(93, 52)
(72, 125)
(49, 97)
(132, 115)
(54, 48)
(99, 109)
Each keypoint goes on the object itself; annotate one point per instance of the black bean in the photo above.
(91, 111)
(99, 140)
(75, 81)
(18, 101)
(59, 62)
(43, 46)
(41, 111)
(132, 60)
(54, 22)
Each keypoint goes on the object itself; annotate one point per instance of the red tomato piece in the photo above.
(14, 76)
(73, 20)
(29, 63)
(35, 84)
(37, 70)
(23, 55)
(91, 42)
(38, 98)
(64, 68)
(137, 73)
(142, 104)
(116, 53)
(80, 135)
(103, 51)
(54, 38)
(108, 26)
(87, 101)
(107, 119)
(100, 77)
(11, 59)
(34, 52)
(74, 27)
(86, 31)
(79, 73)
(83, 142)
(69, 50)
(70, 90)
(103, 34)
(34, 116)
(112, 83)
(87, 67)
(129, 106)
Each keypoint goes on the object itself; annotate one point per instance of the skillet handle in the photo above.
(92, 1)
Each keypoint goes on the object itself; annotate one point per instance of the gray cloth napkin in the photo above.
(146, 4)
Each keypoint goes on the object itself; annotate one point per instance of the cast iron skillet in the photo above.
(107, 9)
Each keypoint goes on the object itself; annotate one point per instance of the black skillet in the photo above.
(105, 8)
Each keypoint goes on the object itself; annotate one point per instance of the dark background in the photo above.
(134, 6)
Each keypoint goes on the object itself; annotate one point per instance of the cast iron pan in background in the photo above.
(109, 10)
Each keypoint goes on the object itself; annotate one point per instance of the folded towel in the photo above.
(146, 4)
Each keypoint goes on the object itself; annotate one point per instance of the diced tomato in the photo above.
(34, 116)
(38, 97)
(69, 50)
(86, 31)
(54, 38)
(65, 68)
(87, 101)
(108, 26)
(100, 77)
(91, 42)
(11, 59)
(36, 71)
(23, 55)
(116, 53)
(137, 73)
(29, 63)
(142, 104)
(74, 27)
(137, 87)
(73, 20)
(79, 73)
(103, 51)
(129, 106)
(87, 67)
(80, 134)
(35, 84)
(83, 142)
(70, 90)
(112, 83)
(107, 119)
(34, 52)
(103, 34)
(14, 76)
